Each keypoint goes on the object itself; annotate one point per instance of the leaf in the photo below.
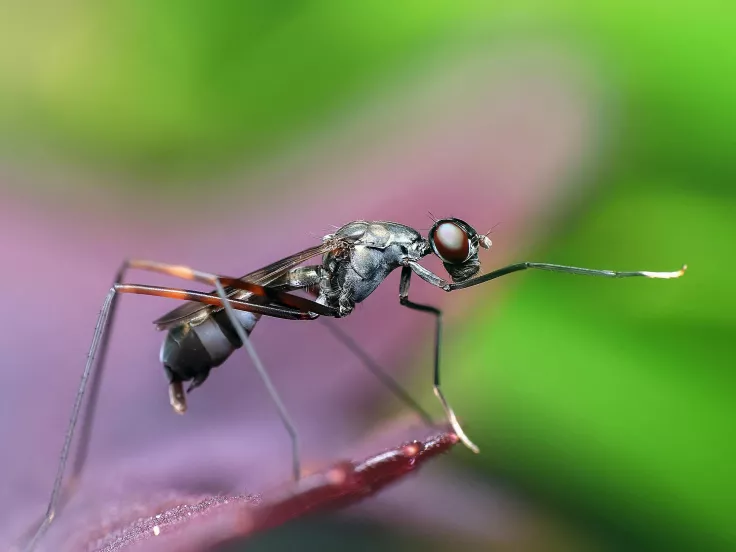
(191, 523)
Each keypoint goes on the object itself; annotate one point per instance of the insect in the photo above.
(203, 332)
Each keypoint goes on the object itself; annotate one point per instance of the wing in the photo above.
(262, 276)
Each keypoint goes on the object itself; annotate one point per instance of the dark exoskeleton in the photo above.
(206, 330)
(346, 277)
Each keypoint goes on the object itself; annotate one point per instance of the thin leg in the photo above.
(283, 297)
(380, 374)
(435, 280)
(275, 295)
(85, 431)
(307, 277)
(51, 509)
(432, 278)
(569, 270)
(404, 300)
(283, 413)
(275, 311)
(98, 348)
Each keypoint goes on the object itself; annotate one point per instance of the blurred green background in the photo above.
(636, 382)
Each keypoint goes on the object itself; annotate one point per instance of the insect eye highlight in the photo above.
(451, 242)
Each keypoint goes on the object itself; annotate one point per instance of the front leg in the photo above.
(404, 300)
(432, 278)
(425, 274)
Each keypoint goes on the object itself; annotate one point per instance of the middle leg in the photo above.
(404, 299)
(309, 279)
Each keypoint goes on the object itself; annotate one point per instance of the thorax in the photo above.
(378, 247)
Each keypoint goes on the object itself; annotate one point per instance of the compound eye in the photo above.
(451, 242)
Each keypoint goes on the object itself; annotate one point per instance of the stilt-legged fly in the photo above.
(206, 330)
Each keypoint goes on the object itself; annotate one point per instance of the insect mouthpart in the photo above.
(463, 271)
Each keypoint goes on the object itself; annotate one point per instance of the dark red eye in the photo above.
(451, 242)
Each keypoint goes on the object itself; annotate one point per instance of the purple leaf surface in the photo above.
(191, 523)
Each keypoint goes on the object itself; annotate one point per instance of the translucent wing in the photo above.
(262, 276)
